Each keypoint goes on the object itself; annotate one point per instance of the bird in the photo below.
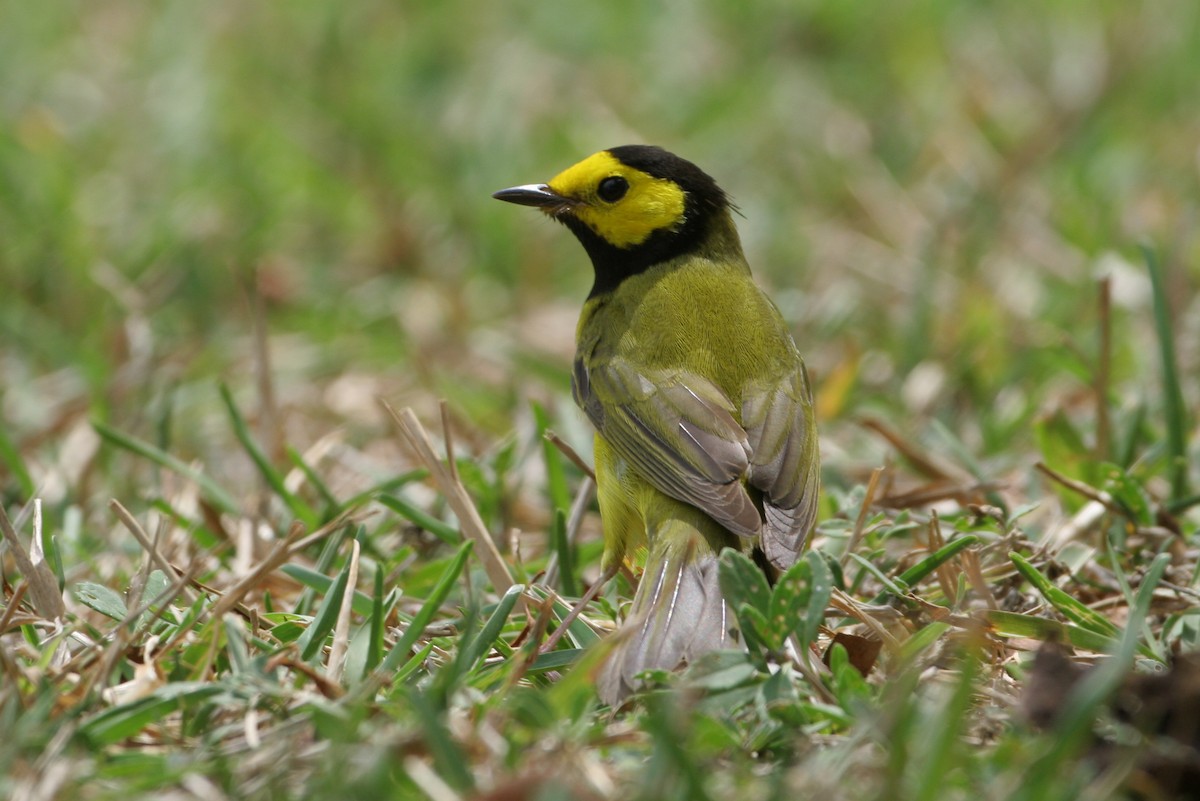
(705, 434)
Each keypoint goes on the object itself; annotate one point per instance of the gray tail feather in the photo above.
(678, 614)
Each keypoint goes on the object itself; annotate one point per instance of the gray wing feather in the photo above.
(785, 464)
(677, 429)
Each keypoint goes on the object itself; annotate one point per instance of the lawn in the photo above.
(294, 486)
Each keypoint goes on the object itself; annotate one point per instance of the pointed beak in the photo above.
(538, 195)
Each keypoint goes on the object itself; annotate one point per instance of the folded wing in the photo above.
(679, 431)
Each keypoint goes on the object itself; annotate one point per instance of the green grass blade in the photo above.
(1080, 708)
(566, 555)
(54, 559)
(400, 651)
(241, 430)
(1173, 403)
(938, 558)
(921, 639)
(329, 551)
(125, 720)
(314, 479)
(452, 763)
(892, 588)
(203, 536)
(443, 531)
(925, 567)
(556, 659)
(556, 475)
(375, 646)
(390, 485)
(945, 742)
(321, 583)
(580, 632)
(311, 642)
(478, 647)
(406, 671)
(235, 644)
(1070, 608)
(212, 490)
(1014, 624)
(1181, 505)
(10, 456)
(1132, 435)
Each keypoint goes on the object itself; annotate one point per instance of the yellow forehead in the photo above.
(650, 205)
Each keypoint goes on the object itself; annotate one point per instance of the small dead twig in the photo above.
(428, 780)
(937, 491)
(1091, 513)
(532, 636)
(591, 593)
(341, 631)
(14, 603)
(1080, 488)
(945, 573)
(286, 659)
(448, 439)
(860, 522)
(922, 461)
(283, 550)
(1083, 521)
(135, 528)
(43, 585)
(122, 634)
(456, 495)
(970, 559)
(270, 419)
(570, 453)
(847, 605)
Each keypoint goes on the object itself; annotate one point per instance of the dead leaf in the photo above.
(862, 651)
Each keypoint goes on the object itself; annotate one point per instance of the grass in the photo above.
(227, 233)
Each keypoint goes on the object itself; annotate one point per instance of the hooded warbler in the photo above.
(705, 437)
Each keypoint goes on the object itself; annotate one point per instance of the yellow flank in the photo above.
(650, 205)
(619, 492)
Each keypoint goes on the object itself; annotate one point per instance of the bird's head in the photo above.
(632, 207)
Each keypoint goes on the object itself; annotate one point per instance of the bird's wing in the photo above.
(780, 427)
(677, 429)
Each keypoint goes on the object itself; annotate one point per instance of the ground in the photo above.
(231, 237)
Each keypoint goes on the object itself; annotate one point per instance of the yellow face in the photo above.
(623, 218)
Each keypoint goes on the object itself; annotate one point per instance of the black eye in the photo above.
(612, 189)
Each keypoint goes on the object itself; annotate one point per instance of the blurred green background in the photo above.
(930, 190)
(293, 200)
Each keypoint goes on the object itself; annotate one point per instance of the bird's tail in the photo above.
(678, 612)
